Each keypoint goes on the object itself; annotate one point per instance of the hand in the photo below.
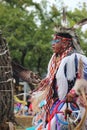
(69, 97)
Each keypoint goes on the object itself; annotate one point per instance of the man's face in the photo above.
(59, 44)
(57, 47)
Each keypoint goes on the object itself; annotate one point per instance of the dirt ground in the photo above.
(23, 122)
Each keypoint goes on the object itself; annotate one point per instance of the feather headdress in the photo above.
(71, 30)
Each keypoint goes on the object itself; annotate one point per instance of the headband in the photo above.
(60, 39)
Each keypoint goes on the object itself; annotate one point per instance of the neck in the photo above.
(69, 50)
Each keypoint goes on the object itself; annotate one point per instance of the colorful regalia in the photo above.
(63, 72)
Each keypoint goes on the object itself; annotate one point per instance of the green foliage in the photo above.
(29, 32)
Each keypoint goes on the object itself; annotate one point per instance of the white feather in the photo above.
(49, 65)
(61, 80)
(60, 76)
(71, 67)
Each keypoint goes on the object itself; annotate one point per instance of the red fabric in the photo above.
(56, 62)
(30, 107)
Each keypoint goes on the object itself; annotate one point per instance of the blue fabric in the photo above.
(74, 107)
(76, 63)
(65, 70)
(57, 123)
(61, 121)
(42, 103)
(54, 105)
(60, 106)
(59, 109)
(31, 128)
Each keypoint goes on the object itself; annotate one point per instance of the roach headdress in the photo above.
(71, 31)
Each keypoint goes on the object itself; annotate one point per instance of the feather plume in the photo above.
(80, 88)
(38, 96)
(80, 23)
(80, 84)
(80, 125)
(64, 21)
(80, 68)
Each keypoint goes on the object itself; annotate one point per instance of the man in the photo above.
(63, 70)
(63, 66)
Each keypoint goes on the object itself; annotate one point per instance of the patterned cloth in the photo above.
(56, 62)
(48, 81)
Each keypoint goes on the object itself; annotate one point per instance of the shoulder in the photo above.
(80, 56)
(77, 55)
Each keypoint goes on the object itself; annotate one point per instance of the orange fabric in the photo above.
(40, 128)
(56, 62)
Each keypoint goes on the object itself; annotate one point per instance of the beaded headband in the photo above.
(60, 39)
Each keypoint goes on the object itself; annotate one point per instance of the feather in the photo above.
(38, 96)
(80, 85)
(80, 125)
(80, 24)
(71, 74)
(81, 88)
(64, 21)
(61, 80)
(80, 68)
